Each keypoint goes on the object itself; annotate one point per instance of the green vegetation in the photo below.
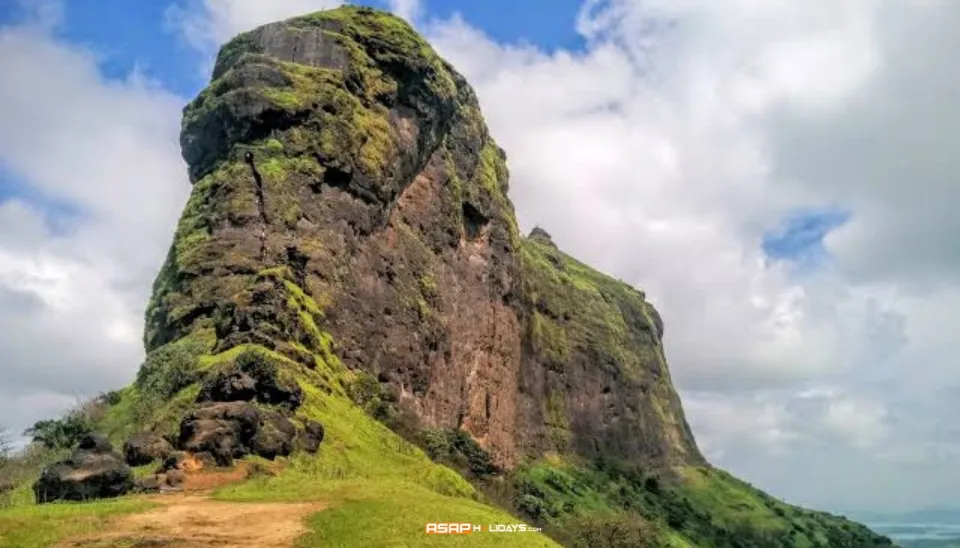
(29, 526)
(381, 488)
(579, 308)
(61, 433)
(397, 519)
(457, 448)
(579, 503)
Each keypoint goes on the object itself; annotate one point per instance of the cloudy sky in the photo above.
(779, 176)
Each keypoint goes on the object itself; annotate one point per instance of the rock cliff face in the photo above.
(350, 207)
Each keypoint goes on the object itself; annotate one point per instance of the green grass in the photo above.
(31, 526)
(381, 489)
(693, 507)
(396, 518)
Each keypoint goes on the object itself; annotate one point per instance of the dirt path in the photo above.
(191, 519)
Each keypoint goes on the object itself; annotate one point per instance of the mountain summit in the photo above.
(348, 294)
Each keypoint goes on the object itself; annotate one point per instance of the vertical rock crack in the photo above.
(258, 188)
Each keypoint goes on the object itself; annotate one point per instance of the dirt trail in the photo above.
(191, 519)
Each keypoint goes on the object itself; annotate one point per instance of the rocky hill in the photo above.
(348, 294)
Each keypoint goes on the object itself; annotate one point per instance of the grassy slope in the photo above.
(383, 489)
(697, 506)
(701, 507)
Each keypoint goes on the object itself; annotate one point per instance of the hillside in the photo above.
(349, 307)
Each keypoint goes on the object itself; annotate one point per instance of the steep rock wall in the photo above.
(349, 204)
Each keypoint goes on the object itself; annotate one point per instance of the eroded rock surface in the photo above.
(252, 378)
(93, 471)
(232, 430)
(350, 208)
(144, 448)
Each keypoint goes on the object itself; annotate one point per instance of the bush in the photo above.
(478, 460)
(5, 445)
(532, 506)
(111, 398)
(615, 531)
(436, 444)
(61, 433)
(458, 448)
(366, 392)
(171, 368)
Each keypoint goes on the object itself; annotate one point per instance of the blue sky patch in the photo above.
(133, 35)
(548, 24)
(799, 239)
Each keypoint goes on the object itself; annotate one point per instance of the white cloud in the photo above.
(411, 10)
(206, 24)
(685, 130)
(100, 157)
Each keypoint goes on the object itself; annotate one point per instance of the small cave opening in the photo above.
(333, 177)
(473, 221)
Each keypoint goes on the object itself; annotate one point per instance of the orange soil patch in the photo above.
(190, 519)
(195, 521)
(210, 479)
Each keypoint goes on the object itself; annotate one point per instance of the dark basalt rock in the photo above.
(228, 431)
(229, 386)
(144, 448)
(542, 236)
(162, 481)
(95, 443)
(274, 438)
(176, 460)
(252, 377)
(310, 438)
(93, 471)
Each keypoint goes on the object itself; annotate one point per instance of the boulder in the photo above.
(275, 437)
(232, 430)
(149, 484)
(144, 448)
(95, 443)
(167, 481)
(93, 471)
(175, 478)
(310, 438)
(176, 460)
(229, 386)
(252, 377)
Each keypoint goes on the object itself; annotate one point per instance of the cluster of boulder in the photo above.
(241, 411)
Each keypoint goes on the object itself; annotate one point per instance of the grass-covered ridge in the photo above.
(580, 318)
(698, 507)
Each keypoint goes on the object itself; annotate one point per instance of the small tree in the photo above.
(5, 445)
(60, 433)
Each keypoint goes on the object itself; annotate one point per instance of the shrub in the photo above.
(61, 433)
(615, 531)
(366, 392)
(456, 447)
